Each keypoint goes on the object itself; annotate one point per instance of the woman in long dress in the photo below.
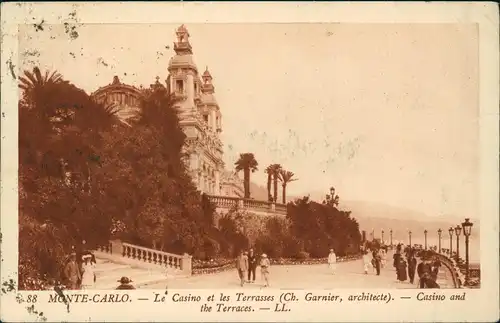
(383, 257)
(332, 261)
(88, 276)
(366, 262)
(401, 270)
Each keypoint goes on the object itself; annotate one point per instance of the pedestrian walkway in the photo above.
(347, 275)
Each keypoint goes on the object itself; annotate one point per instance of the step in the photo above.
(109, 266)
(109, 280)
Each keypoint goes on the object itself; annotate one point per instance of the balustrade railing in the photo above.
(229, 202)
(149, 256)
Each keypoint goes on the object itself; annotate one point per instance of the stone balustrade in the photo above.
(149, 256)
(226, 202)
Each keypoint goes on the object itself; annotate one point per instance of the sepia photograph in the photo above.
(251, 156)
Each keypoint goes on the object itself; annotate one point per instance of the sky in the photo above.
(385, 113)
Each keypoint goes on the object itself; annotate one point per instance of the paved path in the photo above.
(348, 275)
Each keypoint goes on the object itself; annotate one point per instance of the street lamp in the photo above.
(450, 231)
(383, 237)
(425, 239)
(458, 229)
(467, 227)
(391, 237)
(409, 237)
(439, 240)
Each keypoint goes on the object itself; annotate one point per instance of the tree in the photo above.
(286, 177)
(60, 134)
(275, 170)
(320, 227)
(34, 81)
(269, 172)
(247, 163)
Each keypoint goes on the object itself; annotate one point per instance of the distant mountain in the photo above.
(259, 192)
(378, 216)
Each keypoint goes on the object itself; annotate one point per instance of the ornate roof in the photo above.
(116, 85)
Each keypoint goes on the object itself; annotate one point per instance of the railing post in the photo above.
(116, 247)
(273, 206)
(186, 264)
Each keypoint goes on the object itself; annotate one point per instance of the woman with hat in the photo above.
(125, 283)
(264, 268)
(332, 261)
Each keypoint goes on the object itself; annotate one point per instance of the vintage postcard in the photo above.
(249, 162)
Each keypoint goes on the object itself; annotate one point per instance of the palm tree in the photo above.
(275, 169)
(247, 163)
(269, 172)
(286, 177)
(31, 81)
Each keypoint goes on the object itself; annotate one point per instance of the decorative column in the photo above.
(217, 183)
(213, 123)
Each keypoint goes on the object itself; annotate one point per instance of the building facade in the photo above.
(199, 114)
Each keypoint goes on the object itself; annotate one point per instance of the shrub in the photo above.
(302, 255)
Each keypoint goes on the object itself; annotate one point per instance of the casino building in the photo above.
(199, 113)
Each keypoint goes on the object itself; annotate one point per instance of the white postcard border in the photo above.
(480, 305)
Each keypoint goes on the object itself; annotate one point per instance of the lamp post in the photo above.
(391, 237)
(439, 240)
(383, 237)
(409, 237)
(467, 227)
(450, 231)
(458, 229)
(425, 239)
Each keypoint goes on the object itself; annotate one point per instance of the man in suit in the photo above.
(242, 266)
(252, 266)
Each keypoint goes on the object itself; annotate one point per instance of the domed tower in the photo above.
(184, 81)
(199, 115)
(123, 98)
(208, 103)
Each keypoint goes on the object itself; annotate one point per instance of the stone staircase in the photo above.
(108, 273)
(142, 265)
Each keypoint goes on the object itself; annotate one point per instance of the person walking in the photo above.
(376, 261)
(72, 272)
(412, 266)
(424, 269)
(366, 262)
(401, 270)
(383, 257)
(332, 261)
(264, 268)
(252, 266)
(88, 272)
(242, 266)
